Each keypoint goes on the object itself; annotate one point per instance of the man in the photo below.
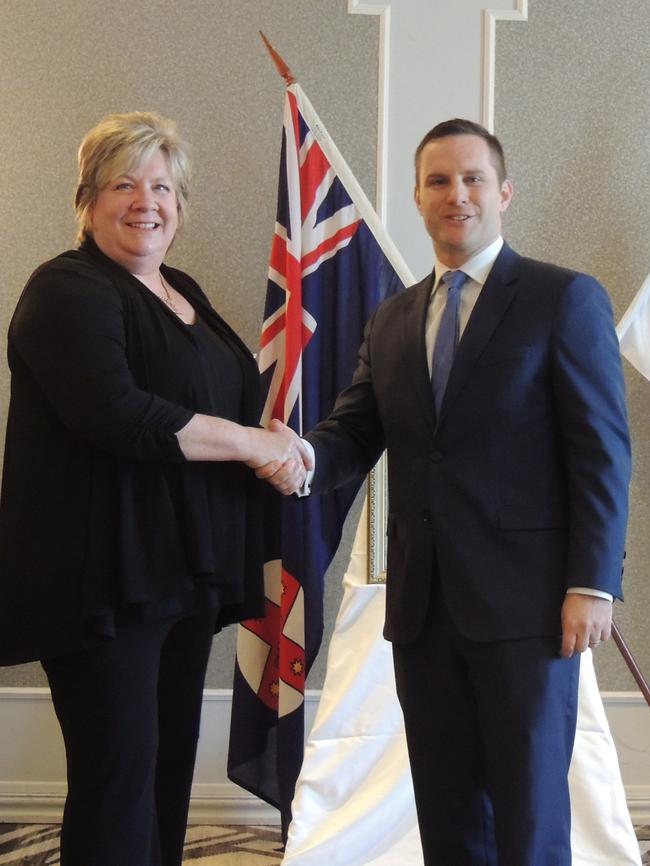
(499, 396)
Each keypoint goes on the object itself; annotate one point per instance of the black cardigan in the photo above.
(100, 512)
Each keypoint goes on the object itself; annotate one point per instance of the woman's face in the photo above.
(134, 217)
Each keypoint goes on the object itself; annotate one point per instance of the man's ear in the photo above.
(507, 192)
(416, 197)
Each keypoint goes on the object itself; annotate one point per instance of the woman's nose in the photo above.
(144, 199)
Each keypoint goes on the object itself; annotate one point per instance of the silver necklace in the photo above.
(167, 298)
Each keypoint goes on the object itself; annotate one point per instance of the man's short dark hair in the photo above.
(459, 126)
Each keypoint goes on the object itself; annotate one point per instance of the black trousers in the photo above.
(490, 730)
(129, 711)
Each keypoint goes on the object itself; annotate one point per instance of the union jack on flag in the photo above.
(331, 264)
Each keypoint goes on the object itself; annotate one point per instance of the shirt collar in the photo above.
(478, 267)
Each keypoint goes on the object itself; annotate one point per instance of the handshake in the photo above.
(281, 457)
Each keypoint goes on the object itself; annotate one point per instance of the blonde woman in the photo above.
(129, 520)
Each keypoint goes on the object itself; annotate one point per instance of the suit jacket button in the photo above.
(436, 456)
(426, 517)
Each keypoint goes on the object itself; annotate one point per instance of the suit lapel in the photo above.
(493, 301)
(414, 347)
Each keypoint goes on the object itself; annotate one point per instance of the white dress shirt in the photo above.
(478, 270)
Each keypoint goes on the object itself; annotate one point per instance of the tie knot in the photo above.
(454, 280)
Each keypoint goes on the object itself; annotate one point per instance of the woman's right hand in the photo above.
(274, 447)
(208, 438)
(289, 476)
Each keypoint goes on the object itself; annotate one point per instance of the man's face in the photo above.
(459, 196)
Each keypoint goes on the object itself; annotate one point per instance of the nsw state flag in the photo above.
(331, 264)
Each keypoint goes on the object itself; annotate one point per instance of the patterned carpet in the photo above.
(643, 835)
(226, 845)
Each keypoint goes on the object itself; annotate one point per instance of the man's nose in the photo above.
(457, 192)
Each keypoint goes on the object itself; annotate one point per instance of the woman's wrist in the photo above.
(209, 438)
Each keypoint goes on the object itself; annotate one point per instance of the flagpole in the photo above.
(631, 662)
(280, 65)
(289, 79)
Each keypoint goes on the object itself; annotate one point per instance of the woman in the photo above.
(129, 522)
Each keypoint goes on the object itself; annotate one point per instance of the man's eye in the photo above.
(475, 178)
(162, 187)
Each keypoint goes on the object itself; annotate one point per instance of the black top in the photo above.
(101, 516)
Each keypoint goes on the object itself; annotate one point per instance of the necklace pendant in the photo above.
(166, 297)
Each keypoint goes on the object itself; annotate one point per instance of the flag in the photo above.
(331, 264)
(634, 330)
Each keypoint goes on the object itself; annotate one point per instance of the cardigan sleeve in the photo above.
(68, 334)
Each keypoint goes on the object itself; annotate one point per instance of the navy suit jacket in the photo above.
(519, 488)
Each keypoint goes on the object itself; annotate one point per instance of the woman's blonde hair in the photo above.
(118, 144)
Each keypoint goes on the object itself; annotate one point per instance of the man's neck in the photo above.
(477, 261)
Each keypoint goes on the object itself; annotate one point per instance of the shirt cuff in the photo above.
(583, 590)
(305, 490)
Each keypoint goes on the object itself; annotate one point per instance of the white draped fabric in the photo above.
(354, 800)
(634, 330)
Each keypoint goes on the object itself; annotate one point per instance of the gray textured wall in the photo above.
(571, 106)
(573, 112)
(65, 64)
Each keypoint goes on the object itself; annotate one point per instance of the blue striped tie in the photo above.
(447, 339)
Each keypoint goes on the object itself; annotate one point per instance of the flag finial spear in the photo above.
(280, 65)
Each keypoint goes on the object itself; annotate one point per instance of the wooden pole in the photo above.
(631, 662)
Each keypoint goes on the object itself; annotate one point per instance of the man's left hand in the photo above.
(586, 621)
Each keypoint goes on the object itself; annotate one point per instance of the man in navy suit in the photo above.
(508, 508)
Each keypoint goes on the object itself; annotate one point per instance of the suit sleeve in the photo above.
(350, 441)
(590, 398)
(68, 336)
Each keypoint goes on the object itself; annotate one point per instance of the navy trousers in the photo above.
(129, 711)
(490, 730)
